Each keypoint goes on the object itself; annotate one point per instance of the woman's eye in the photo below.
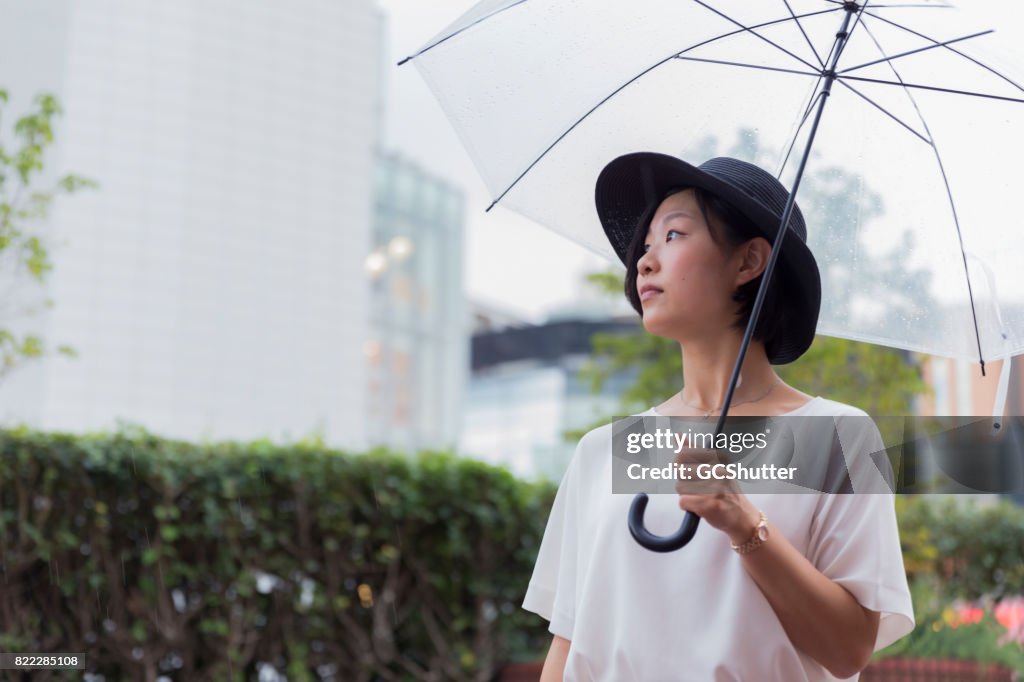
(670, 233)
(647, 247)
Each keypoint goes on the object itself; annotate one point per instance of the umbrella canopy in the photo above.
(909, 191)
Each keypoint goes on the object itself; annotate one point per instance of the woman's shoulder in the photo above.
(824, 407)
(597, 435)
(602, 436)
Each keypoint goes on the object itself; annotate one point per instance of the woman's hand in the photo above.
(718, 501)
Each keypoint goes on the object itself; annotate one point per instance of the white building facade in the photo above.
(213, 285)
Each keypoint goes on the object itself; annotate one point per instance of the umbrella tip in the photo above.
(404, 60)
(493, 204)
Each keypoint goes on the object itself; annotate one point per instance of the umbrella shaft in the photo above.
(828, 76)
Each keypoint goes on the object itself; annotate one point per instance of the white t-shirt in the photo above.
(695, 614)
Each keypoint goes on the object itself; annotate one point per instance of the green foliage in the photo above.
(933, 638)
(24, 206)
(972, 551)
(136, 550)
(954, 550)
(881, 381)
(940, 634)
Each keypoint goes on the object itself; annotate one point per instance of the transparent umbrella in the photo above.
(897, 124)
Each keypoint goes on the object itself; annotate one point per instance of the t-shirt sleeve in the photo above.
(855, 539)
(551, 593)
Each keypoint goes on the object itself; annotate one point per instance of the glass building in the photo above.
(417, 351)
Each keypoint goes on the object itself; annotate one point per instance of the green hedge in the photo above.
(957, 552)
(976, 642)
(204, 562)
(968, 550)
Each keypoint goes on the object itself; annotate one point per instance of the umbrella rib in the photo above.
(917, 51)
(750, 29)
(953, 50)
(839, 43)
(464, 28)
(632, 80)
(806, 37)
(884, 111)
(747, 66)
(796, 135)
(949, 196)
(896, 73)
(935, 88)
(963, 253)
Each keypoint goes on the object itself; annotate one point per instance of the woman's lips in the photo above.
(648, 292)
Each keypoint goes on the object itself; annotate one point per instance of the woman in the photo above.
(783, 587)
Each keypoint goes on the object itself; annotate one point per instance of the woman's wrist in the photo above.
(746, 528)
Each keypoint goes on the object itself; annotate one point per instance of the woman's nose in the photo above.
(648, 263)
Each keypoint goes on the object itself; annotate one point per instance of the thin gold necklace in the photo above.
(707, 413)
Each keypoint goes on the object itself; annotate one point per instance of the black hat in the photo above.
(631, 185)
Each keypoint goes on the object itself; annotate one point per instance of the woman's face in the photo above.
(685, 280)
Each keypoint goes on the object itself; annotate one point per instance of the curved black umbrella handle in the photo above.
(657, 543)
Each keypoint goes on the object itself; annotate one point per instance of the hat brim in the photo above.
(629, 187)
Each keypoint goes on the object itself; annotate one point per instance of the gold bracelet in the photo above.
(759, 537)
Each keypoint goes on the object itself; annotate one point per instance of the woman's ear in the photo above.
(754, 256)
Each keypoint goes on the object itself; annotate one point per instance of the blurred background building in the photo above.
(416, 353)
(526, 394)
(983, 458)
(214, 285)
(957, 387)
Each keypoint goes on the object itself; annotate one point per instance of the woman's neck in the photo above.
(707, 367)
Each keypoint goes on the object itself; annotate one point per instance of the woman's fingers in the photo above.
(703, 472)
(706, 488)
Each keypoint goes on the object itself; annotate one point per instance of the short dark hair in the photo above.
(729, 229)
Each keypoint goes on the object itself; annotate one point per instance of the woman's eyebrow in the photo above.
(674, 214)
